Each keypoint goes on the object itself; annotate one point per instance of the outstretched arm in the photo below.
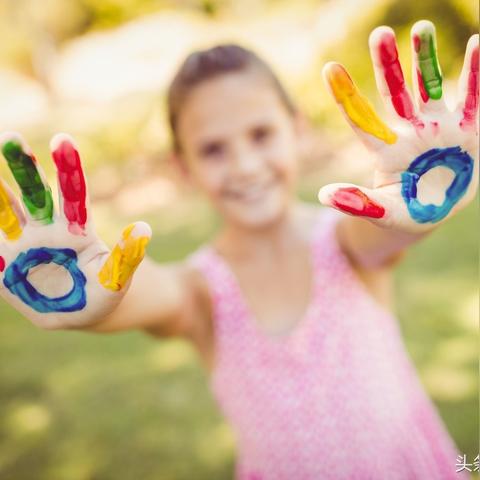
(57, 272)
(163, 300)
(426, 165)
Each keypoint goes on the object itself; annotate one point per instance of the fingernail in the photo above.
(353, 200)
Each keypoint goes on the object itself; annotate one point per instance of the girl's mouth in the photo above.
(251, 193)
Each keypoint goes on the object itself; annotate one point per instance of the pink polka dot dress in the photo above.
(337, 398)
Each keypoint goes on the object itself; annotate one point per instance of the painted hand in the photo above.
(426, 165)
(53, 267)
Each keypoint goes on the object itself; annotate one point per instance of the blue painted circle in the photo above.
(457, 160)
(16, 281)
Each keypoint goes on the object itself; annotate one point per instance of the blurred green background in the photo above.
(127, 406)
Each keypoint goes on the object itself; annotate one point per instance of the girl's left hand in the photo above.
(426, 165)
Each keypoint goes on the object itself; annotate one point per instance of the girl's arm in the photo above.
(371, 247)
(58, 273)
(163, 300)
(426, 165)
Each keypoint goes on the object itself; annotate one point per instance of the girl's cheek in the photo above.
(284, 160)
(211, 177)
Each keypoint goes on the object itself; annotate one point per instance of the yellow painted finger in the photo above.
(358, 109)
(9, 221)
(125, 257)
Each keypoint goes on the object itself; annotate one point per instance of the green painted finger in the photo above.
(429, 75)
(36, 194)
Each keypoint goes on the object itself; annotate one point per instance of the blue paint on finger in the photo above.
(454, 158)
(16, 280)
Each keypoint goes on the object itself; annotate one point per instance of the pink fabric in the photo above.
(338, 398)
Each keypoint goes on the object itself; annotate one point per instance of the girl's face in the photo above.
(240, 145)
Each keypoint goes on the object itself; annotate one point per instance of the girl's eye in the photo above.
(261, 134)
(212, 150)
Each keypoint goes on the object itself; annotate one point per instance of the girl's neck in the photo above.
(237, 242)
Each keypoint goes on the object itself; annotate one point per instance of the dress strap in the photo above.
(208, 263)
(221, 284)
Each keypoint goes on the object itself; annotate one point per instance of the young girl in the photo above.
(288, 306)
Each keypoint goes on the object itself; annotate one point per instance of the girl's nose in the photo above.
(246, 162)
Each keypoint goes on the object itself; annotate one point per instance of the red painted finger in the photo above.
(389, 74)
(71, 181)
(351, 199)
(469, 85)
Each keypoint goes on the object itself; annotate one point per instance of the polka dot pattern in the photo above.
(338, 398)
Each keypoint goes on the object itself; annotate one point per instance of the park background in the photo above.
(75, 406)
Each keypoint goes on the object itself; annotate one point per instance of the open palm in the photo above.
(53, 267)
(426, 163)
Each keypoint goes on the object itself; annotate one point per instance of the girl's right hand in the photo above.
(53, 267)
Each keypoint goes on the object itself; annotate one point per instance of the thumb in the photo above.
(125, 257)
(354, 200)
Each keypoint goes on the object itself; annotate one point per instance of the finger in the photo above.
(427, 75)
(36, 194)
(11, 215)
(71, 181)
(351, 199)
(469, 85)
(125, 257)
(358, 110)
(389, 75)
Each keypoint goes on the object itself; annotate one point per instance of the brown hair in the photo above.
(206, 64)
